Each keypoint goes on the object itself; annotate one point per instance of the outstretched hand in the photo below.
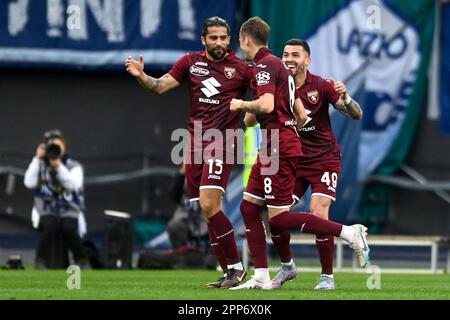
(135, 67)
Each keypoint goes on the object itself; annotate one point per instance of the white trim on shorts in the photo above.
(278, 207)
(253, 196)
(281, 207)
(323, 195)
(211, 186)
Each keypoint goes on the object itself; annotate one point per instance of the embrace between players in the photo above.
(291, 104)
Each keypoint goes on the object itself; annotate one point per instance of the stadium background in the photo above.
(50, 77)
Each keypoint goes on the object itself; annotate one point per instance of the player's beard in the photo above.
(217, 55)
(301, 69)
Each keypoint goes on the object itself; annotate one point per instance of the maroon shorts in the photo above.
(210, 174)
(319, 173)
(275, 189)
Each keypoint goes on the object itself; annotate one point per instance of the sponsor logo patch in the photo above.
(201, 63)
(262, 78)
(210, 101)
(307, 129)
(210, 87)
(290, 123)
(197, 71)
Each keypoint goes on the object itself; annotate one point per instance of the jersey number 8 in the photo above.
(291, 93)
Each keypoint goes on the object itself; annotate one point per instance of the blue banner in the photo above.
(380, 49)
(100, 33)
(444, 124)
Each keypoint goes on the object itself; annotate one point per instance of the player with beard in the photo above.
(215, 76)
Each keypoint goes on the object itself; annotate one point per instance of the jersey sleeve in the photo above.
(265, 78)
(180, 69)
(331, 94)
(248, 74)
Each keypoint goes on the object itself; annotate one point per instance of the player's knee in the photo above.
(273, 226)
(251, 212)
(244, 207)
(320, 211)
(275, 221)
(209, 206)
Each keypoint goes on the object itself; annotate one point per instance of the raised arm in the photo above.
(159, 86)
(346, 105)
(32, 174)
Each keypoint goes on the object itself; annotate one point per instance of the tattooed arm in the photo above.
(346, 105)
(161, 85)
(349, 107)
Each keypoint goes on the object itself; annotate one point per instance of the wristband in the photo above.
(348, 100)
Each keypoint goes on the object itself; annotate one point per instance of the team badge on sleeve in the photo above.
(229, 72)
(313, 96)
(262, 78)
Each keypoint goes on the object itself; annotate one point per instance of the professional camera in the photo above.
(52, 151)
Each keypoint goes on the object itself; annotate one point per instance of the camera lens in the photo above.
(53, 151)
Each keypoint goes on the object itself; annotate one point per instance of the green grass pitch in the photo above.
(190, 285)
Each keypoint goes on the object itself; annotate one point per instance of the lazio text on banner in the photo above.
(382, 60)
(380, 50)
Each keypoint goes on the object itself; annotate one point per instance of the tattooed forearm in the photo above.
(251, 106)
(157, 85)
(351, 109)
(150, 83)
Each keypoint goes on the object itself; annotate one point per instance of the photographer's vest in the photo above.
(50, 196)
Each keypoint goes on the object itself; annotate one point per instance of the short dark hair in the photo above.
(257, 29)
(215, 22)
(299, 42)
(54, 134)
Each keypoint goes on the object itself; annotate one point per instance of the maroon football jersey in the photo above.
(270, 75)
(212, 86)
(317, 135)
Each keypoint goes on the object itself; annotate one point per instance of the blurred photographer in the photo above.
(57, 181)
(187, 225)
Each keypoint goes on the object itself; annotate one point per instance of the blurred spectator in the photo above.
(57, 181)
(187, 227)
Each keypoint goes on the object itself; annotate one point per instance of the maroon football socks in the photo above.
(325, 247)
(255, 233)
(305, 222)
(217, 249)
(225, 236)
(280, 239)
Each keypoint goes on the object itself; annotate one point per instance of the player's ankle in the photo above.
(262, 274)
(290, 263)
(347, 233)
(237, 266)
